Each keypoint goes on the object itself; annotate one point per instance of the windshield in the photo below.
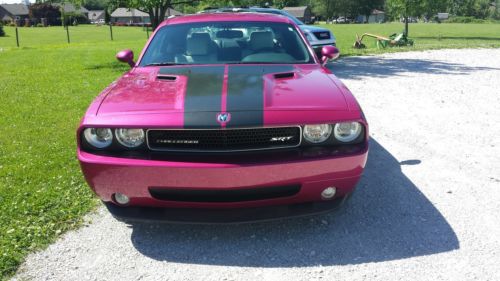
(227, 42)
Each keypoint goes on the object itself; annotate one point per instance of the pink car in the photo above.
(224, 118)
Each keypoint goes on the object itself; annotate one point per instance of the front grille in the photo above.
(322, 35)
(221, 195)
(220, 140)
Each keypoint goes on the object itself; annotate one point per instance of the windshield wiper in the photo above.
(163, 63)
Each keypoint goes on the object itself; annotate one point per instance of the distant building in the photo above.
(96, 15)
(131, 16)
(303, 13)
(376, 16)
(443, 16)
(13, 12)
(172, 12)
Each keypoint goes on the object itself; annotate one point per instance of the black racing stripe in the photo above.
(245, 93)
(203, 94)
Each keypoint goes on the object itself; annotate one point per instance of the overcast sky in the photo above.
(12, 1)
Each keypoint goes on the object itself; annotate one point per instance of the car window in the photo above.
(227, 42)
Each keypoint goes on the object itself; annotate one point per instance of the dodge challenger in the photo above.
(226, 117)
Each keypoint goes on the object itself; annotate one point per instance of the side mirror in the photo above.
(126, 56)
(329, 53)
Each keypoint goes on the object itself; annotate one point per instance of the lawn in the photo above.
(45, 87)
(44, 91)
(426, 36)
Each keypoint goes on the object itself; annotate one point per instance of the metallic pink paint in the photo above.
(138, 100)
(126, 56)
(107, 175)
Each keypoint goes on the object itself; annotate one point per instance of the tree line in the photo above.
(325, 9)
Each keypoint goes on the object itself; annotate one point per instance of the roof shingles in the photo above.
(16, 9)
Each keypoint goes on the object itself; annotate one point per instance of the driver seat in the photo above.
(260, 41)
(199, 49)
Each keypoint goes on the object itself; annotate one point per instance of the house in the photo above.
(96, 15)
(131, 16)
(172, 12)
(303, 13)
(376, 16)
(13, 12)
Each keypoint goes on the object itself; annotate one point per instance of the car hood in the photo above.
(311, 28)
(252, 89)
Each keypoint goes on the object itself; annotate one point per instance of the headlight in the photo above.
(98, 137)
(347, 131)
(317, 133)
(130, 137)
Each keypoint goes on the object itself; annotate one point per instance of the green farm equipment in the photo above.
(394, 40)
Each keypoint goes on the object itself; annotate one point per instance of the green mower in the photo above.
(394, 40)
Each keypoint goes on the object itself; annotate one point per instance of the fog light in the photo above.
(328, 193)
(121, 199)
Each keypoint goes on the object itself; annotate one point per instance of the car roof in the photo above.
(264, 9)
(227, 16)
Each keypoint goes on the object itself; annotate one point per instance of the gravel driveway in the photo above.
(427, 208)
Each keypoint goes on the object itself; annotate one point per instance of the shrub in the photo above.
(39, 25)
(459, 19)
(2, 33)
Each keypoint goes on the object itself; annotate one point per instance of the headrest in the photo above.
(198, 44)
(261, 40)
(229, 34)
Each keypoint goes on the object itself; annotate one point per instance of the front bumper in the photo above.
(137, 178)
(216, 216)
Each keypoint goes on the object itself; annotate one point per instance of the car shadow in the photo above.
(381, 67)
(387, 218)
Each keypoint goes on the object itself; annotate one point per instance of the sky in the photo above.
(12, 1)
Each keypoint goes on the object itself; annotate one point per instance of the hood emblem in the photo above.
(223, 117)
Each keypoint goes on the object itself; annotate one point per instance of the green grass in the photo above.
(39, 36)
(45, 88)
(44, 91)
(427, 36)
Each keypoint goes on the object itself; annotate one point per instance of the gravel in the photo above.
(427, 208)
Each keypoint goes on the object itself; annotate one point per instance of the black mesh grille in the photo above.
(322, 35)
(224, 139)
(221, 195)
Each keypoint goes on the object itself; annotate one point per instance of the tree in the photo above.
(482, 9)
(45, 10)
(415, 8)
(496, 12)
(365, 7)
(462, 7)
(347, 8)
(95, 4)
(405, 9)
(156, 9)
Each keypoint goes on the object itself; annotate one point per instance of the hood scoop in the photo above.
(166, 77)
(284, 75)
